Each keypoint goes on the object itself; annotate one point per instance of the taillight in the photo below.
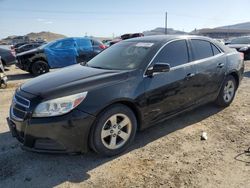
(241, 55)
(102, 46)
(13, 52)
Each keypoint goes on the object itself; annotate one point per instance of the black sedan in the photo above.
(128, 87)
(8, 57)
(27, 47)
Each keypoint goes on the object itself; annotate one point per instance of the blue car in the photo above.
(59, 53)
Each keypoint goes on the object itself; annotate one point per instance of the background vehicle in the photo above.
(125, 36)
(3, 77)
(241, 44)
(15, 46)
(130, 86)
(59, 53)
(27, 47)
(8, 57)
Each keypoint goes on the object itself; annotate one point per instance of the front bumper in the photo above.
(8, 64)
(63, 134)
(23, 63)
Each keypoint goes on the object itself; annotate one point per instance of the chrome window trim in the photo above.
(144, 74)
(188, 63)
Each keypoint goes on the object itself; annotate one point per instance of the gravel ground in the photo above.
(170, 154)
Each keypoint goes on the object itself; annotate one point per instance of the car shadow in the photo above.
(247, 74)
(23, 76)
(52, 170)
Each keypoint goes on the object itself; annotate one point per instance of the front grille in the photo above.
(21, 101)
(19, 107)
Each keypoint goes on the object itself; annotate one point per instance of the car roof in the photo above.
(165, 38)
(162, 39)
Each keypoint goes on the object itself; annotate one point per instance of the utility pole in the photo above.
(166, 23)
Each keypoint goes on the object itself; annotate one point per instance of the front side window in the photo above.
(64, 44)
(174, 53)
(201, 49)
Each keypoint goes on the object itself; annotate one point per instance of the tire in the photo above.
(227, 92)
(113, 131)
(39, 67)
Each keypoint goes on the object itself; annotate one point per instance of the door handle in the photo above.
(220, 65)
(190, 75)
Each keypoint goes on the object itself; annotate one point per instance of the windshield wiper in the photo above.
(96, 67)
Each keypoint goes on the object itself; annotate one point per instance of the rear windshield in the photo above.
(122, 56)
(242, 40)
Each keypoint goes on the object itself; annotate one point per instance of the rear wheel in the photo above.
(114, 130)
(39, 67)
(227, 92)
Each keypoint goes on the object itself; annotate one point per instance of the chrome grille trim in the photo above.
(12, 115)
(19, 103)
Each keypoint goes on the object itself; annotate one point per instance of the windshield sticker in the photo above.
(144, 44)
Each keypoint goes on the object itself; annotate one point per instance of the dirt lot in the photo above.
(167, 155)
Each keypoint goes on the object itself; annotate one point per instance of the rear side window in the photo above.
(174, 53)
(84, 44)
(215, 49)
(201, 49)
(95, 43)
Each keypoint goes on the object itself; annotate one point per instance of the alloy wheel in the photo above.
(229, 90)
(116, 131)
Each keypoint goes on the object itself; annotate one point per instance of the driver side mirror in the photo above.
(158, 68)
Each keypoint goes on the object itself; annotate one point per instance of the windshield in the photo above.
(242, 40)
(47, 44)
(122, 56)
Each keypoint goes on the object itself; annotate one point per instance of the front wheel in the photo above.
(39, 67)
(227, 92)
(114, 130)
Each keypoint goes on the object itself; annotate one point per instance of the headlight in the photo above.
(59, 106)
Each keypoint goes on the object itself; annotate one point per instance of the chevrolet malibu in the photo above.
(128, 87)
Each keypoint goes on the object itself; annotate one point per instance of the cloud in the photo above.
(44, 21)
(40, 19)
(48, 22)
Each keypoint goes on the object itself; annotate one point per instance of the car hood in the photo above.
(30, 52)
(71, 80)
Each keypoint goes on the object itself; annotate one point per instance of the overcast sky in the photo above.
(104, 18)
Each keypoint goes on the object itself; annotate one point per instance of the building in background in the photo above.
(221, 33)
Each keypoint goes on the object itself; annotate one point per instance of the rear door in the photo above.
(170, 92)
(84, 49)
(210, 63)
(62, 53)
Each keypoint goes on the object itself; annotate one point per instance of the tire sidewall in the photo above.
(96, 141)
(220, 99)
(33, 67)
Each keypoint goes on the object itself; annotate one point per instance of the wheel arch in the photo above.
(236, 77)
(126, 102)
(131, 105)
(38, 59)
